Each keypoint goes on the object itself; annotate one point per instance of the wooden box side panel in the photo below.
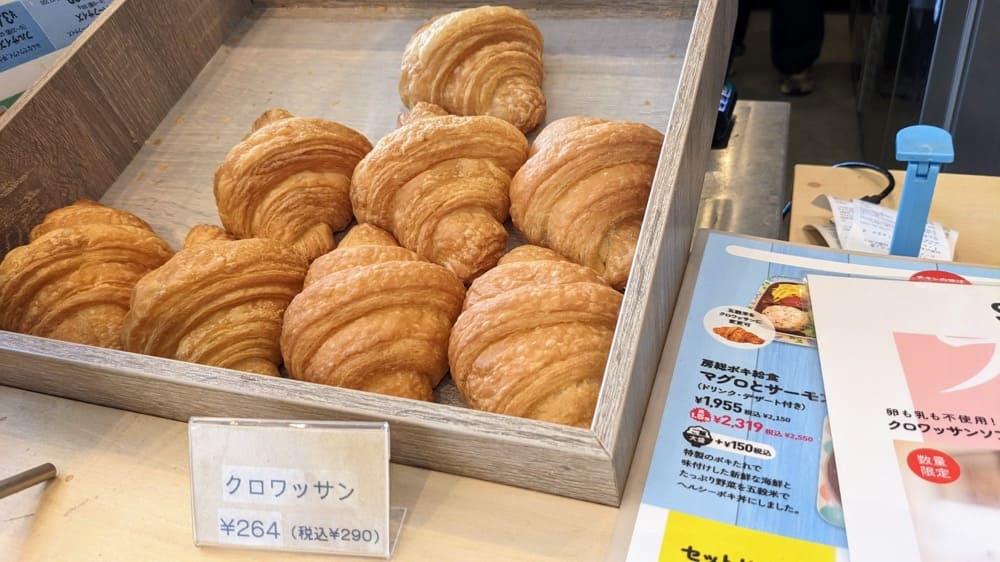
(673, 8)
(73, 132)
(505, 449)
(665, 240)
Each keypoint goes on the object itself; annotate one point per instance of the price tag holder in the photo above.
(299, 486)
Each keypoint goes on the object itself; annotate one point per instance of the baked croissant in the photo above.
(73, 280)
(480, 61)
(420, 110)
(217, 302)
(584, 189)
(439, 184)
(289, 180)
(738, 334)
(205, 233)
(534, 337)
(374, 317)
(85, 211)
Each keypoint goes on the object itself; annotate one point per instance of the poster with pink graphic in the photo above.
(912, 378)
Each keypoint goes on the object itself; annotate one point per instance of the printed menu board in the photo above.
(742, 468)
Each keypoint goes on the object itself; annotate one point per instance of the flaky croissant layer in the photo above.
(73, 281)
(583, 191)
(289, 180)
(534, 337)
(217, 302)
(380, 326)
(439, 185)
(479, 61)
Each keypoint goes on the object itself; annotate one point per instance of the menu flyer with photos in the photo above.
(741, 469)
(912, 373)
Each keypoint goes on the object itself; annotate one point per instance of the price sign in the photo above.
(289, 485)
(63, 20)
(21, 39)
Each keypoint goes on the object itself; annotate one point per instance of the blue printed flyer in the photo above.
(32, 33)
(742, 468)
(21, 38)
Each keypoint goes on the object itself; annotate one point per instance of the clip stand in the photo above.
(924, 148)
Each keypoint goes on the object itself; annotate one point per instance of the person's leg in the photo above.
(739, 33)
(796, 41)
(742, 22)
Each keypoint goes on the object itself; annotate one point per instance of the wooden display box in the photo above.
(147, 102)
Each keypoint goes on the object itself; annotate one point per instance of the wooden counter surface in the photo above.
(123, 493)
(969, 204)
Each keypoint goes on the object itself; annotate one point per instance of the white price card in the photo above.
(307, 486)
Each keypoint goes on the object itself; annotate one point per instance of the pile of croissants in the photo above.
(422, 284)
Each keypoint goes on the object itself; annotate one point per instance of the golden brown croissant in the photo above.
(72, 282)
(372, 317)
(365, 234)
(534, 338)
(289, 180)
(363, 245)
(217, 302)
(85, 211)
(420, 110)
(439, 184)
(584, 189)
(205, 233)
(480, 61)
(738, 334)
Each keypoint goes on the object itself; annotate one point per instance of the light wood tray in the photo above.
(147, 102)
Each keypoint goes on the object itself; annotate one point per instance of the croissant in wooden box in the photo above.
(584, 189)
(372, 316)
(73, 280)
(533, 338)
(217, 302)
(290, 180)
(479, 61)
(439, 185)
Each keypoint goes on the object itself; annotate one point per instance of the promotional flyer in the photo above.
(912, 372)
(743, 466)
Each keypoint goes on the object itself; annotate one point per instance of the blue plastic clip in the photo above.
(924, 148)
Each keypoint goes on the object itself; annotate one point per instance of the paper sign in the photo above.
(302, 486)
(32, 36)
(867, 227)
(912, 373)
(64, 20)
(21, 39)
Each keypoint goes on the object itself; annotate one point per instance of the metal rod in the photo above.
(27, 479)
